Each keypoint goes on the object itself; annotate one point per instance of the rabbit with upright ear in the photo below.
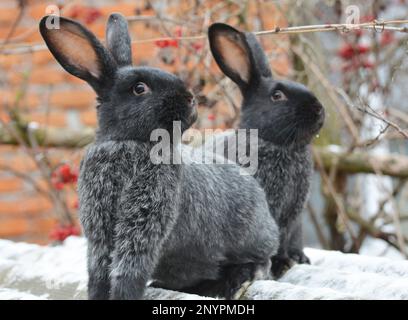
(179, 225)
(127, 205)
(287, 116)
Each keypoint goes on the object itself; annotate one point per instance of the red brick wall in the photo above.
(53, 97)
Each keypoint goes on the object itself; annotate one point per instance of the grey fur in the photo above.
(119, 45)
(178, 224)
(128, 207)
(224, 220)
(286, 128)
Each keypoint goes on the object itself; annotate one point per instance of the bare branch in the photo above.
(376, 26)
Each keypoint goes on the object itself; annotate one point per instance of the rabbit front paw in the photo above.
(239, 278)
(298, 256)
(281, 264)
(98, 289)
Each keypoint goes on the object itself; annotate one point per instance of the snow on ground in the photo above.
(29, 271)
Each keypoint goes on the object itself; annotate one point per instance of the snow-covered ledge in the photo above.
(29, 271)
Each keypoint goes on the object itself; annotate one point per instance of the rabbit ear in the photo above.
(118, 39)
(238, 54)
(230, 51)
(78, 51)
(259, 59)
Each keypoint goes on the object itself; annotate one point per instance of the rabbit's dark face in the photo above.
(284, 112)
(144, 99)
(133, 101)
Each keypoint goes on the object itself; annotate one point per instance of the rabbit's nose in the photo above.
(191, 100)
(317, 108)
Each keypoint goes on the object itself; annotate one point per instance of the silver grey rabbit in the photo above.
(287, 116)
(179, 225)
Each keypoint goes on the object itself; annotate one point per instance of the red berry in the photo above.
(162, 43)
(56, 234)
(173, 43)
(60, 233)
(91, 15)
(211, 117)
(362, 49)
(386, 38)
(346, 51)
(65, 172)
(197, 46)
(74, 176)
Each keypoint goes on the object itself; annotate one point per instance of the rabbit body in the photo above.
(285, 175)
(200, 219)
(124, 221)
(287, 116)
(287, 190)
(220, 224)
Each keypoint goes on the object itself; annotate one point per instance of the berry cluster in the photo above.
(87, 14)
(61, 232)
(167, 43)
(356, 55)
(64, 175)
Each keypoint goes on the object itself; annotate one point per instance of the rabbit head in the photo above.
(284, 112)
(132, 101)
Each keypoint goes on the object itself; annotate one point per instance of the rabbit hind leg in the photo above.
(233, 282)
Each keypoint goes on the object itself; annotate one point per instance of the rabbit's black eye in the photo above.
(278, 95)
(140, 88)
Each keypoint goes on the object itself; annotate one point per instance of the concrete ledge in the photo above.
(30, 271)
